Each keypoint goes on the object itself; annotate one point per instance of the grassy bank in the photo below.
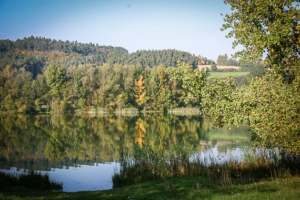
(185, 111)
(134, 111)
(150, 164)
(152, 173)
(176, 188)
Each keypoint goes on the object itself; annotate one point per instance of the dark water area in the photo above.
(83, 151)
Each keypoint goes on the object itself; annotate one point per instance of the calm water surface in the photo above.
(83, 152)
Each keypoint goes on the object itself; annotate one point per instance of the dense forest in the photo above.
(38, 73)
(35, 53)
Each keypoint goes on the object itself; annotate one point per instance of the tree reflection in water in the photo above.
(44, 141)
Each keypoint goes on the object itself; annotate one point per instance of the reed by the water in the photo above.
(149, 164)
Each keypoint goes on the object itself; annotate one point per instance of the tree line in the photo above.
(39, 73)
(61, 89)
(35, 53)
(225, 61)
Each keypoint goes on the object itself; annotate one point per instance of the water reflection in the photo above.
(214, 156)
(64, 143)
(79, 178)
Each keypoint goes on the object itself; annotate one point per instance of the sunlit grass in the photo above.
(226, 74)
(185, 187)
(220, 136)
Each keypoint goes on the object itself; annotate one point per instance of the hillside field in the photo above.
(226, 74)
(219, 67)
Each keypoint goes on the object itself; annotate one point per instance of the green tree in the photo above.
(40, 90)
(222, 60)
(56, 78)
(214, 67)
(8, 103)
(163, 97)
(270, 27)
(270, 104)
(16, 91)
(192, 80)
(232, 62)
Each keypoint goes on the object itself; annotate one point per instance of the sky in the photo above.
(186, 25)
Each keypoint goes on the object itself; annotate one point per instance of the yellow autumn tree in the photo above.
(139, 132)
(140, 91)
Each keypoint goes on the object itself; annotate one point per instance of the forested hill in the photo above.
(35, 53)
(152, 58)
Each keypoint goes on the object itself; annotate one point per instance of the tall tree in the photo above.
(140, 92)
(222, 60)
(271, 104)
(163, 98)
(191, 80)
(56, 78)
(270, 27)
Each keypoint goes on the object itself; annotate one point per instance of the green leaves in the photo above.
(266, 27)
(55, 76)
(268, 105)
(271, 104)
(191, 80)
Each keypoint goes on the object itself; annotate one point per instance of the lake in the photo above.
(82, 152)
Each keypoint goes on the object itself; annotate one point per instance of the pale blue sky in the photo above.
(187, 25)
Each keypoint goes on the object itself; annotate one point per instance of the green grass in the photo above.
(220, 136)
(176, 188)
(226, 74)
